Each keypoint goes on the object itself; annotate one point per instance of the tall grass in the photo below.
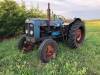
(82, 61)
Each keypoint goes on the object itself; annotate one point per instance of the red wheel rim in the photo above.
(50, 51)
(78, 34)
(27, 46)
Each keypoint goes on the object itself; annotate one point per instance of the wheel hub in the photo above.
(50, 52)
(78, 34)
(27, 46)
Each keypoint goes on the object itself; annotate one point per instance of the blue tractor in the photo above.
(47, 32)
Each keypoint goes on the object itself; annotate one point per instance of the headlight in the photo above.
(26, 31)
(31, 32)
(58, 25)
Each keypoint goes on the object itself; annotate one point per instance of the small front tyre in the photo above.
(24, 45)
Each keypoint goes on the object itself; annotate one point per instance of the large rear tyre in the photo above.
(24, 45)
(76, 34)
(48, 50)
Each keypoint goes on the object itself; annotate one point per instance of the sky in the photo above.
(85, 9)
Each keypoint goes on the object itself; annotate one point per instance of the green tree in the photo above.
(12, 17)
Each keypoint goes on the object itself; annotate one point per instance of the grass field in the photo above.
(83, 61)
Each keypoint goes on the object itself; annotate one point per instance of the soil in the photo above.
(2, 38)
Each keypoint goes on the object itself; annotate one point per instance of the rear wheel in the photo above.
(25, 45)
(76, 34)
(48, 50)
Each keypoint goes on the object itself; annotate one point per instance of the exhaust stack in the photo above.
(49, 14)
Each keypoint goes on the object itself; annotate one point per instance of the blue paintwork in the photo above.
(58, 22)
(56, 33)
(36, 29)
(37, 23)
(43, 22)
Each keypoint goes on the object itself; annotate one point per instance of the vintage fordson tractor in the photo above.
(47, 31)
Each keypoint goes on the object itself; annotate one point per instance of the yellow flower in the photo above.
(18, 66)
(23, 65)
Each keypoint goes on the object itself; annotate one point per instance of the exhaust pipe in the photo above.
(49, 15)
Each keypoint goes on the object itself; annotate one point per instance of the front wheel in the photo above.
(48, 50)
(24, 45)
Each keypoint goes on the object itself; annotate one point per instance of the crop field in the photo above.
(82, 61)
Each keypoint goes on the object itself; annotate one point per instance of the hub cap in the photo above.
(50, 52)
(78, 34)
(27, 46)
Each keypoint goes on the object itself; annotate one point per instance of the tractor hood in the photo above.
(44, 22)
(37, 21)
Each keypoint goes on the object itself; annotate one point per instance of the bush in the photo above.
(13, 15)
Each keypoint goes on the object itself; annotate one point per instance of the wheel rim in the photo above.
(78, 33)
(50, 52)
(27, 46)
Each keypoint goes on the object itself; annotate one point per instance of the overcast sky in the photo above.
(86, 9)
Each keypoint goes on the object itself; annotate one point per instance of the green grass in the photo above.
(82, 61)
